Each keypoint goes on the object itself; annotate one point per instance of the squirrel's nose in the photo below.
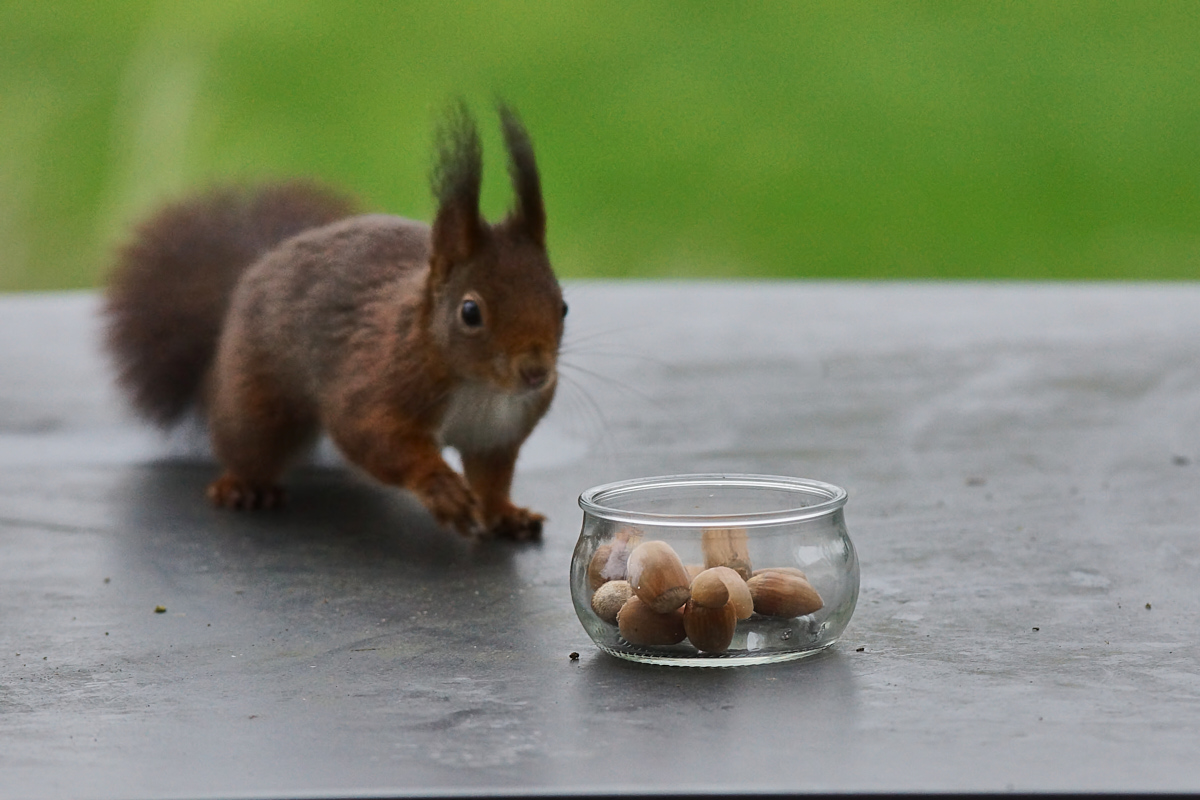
(535, 376)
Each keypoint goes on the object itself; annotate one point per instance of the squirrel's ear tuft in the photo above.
(529, 215)
(457, 174)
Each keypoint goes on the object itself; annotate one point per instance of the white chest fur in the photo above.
(479, 418)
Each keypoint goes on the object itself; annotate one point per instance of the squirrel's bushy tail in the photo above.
(169, 292)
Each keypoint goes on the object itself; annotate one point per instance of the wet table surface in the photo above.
(1022, 463)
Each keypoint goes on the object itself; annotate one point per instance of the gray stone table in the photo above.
(1022, 463)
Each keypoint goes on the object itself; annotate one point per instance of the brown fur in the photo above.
(168, 295)
(358, 328)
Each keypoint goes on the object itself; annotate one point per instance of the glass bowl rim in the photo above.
(592, 500)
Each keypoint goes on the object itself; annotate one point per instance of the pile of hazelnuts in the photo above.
(644, 589)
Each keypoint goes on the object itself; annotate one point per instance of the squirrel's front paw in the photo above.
(230, 492)
(518, 524)
(451, 502)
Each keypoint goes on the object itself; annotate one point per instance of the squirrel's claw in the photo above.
(228, 491)
(518, 524)
(452, 503)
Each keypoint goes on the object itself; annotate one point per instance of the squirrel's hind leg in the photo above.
(256, 435)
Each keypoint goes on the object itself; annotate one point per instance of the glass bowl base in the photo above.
(728, 659)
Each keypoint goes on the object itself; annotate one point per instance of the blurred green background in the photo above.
(833, 139)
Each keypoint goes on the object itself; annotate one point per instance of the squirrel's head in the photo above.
(496, 307)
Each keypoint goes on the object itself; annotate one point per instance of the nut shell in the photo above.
(799, 573)
(726, 547)
(709, 589)
(640, 625)
(609, 561)
(709, 629)
(739, 592)
(778, 594)
(596, 566)
(658, 577)
(609, 598)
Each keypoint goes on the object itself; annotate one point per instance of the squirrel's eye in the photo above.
(565, 308)
(472, 317)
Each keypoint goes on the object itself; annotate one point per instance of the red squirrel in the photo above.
(279, 314)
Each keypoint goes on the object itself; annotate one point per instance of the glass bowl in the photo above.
(714, 570)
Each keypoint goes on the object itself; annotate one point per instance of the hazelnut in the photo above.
(640, 625)
(609, 561)
(596, 566)
(726, 547)
(609, 598)
(786, 570)
(778, 594)
(739, 592)
(709, 629)
(709, 589)
(658, 577)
